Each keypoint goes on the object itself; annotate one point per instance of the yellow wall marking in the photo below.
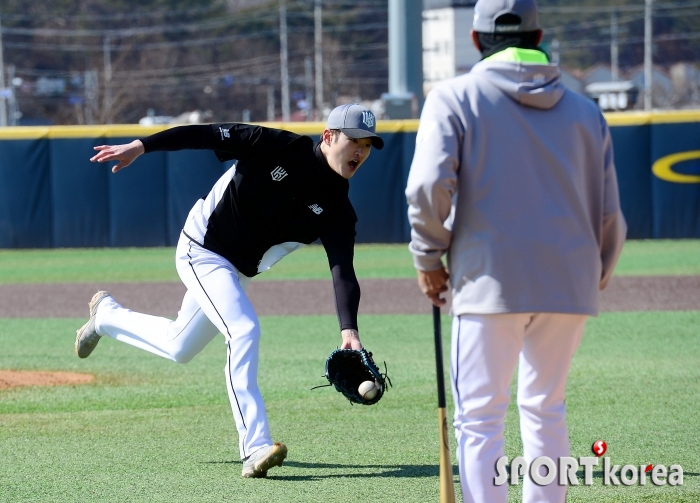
(663, 168)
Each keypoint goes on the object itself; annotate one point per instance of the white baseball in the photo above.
(368, 390)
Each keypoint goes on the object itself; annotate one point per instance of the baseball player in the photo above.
(513, 179)
(283, 192)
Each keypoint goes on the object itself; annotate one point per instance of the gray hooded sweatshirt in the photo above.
(513, 178)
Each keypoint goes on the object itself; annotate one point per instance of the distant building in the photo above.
(597, 73)
(448, 50)
(571, 82)
(193, 117)
(661, 86)
(613, 96)
(46, 86)
(685, 78)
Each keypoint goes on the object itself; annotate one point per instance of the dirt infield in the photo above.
(14, 378)
(379, 296)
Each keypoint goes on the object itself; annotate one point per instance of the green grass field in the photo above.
(643, 258)
(149, 430)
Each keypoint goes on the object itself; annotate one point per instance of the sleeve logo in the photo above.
(316, 209)
(278, 173)
(224, 133)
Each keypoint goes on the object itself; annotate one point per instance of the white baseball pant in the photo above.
(215, 302)
(485, 351)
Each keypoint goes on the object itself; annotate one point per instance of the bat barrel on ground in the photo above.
(447, 489)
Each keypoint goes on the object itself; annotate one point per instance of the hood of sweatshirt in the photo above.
(536, 85)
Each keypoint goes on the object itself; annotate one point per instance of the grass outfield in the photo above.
(639, 258)
(151, 430)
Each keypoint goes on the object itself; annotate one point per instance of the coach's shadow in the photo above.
(377, 471)
(383, 471)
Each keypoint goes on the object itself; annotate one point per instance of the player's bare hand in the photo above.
(433, 283)
(125, 154)
(351, 339)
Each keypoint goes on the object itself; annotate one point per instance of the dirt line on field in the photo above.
(14, 378)
(310, 297)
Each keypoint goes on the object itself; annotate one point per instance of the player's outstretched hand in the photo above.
(125, 154)
(351, 339)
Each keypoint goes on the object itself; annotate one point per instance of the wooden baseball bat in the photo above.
(447, 488)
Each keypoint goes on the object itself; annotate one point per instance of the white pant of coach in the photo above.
(215, 302)
(485, 352)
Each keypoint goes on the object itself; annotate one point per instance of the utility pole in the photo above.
(13, 110)
(91, 84)
(3, 109)
(107, 105)
(647, 54)
(556, 54)
(398, 51)
(318, 58)
(405, 60)
(614, 60)
(309, 91)
(283, 60)
(270, 103)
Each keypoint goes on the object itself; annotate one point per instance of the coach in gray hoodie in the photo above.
(513, 180)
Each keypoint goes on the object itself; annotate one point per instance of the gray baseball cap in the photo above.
(356, 122)
(487, 11)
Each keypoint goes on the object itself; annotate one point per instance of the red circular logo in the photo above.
(599, 447)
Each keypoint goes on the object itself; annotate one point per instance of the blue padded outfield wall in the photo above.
(657, 157)
(52, 196)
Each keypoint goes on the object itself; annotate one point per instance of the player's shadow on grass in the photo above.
(377, 471)
(384, 471)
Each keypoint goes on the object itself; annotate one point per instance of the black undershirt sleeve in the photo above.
(339, 248)
(228, 141)
(181, 138)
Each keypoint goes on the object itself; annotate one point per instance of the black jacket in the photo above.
(283, 190)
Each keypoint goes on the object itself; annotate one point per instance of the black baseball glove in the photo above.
(346, 369)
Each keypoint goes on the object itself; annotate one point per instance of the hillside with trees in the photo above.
(99, 61)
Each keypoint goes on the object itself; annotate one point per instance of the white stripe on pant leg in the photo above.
(215, 284)
(550, 342)
(242, 385)
(484, 356)
(178, 340)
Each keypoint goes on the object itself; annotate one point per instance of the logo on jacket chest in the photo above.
(316, 209)
(278, 173)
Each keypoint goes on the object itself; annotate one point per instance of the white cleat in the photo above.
(257, 464)
(86, 337)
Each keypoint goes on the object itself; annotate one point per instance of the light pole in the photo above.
(318, 58)
(3, 109)
(647, 54)
(283, 60)
(405, 60)
(614, 61)
(107, 106)
(14, 83)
